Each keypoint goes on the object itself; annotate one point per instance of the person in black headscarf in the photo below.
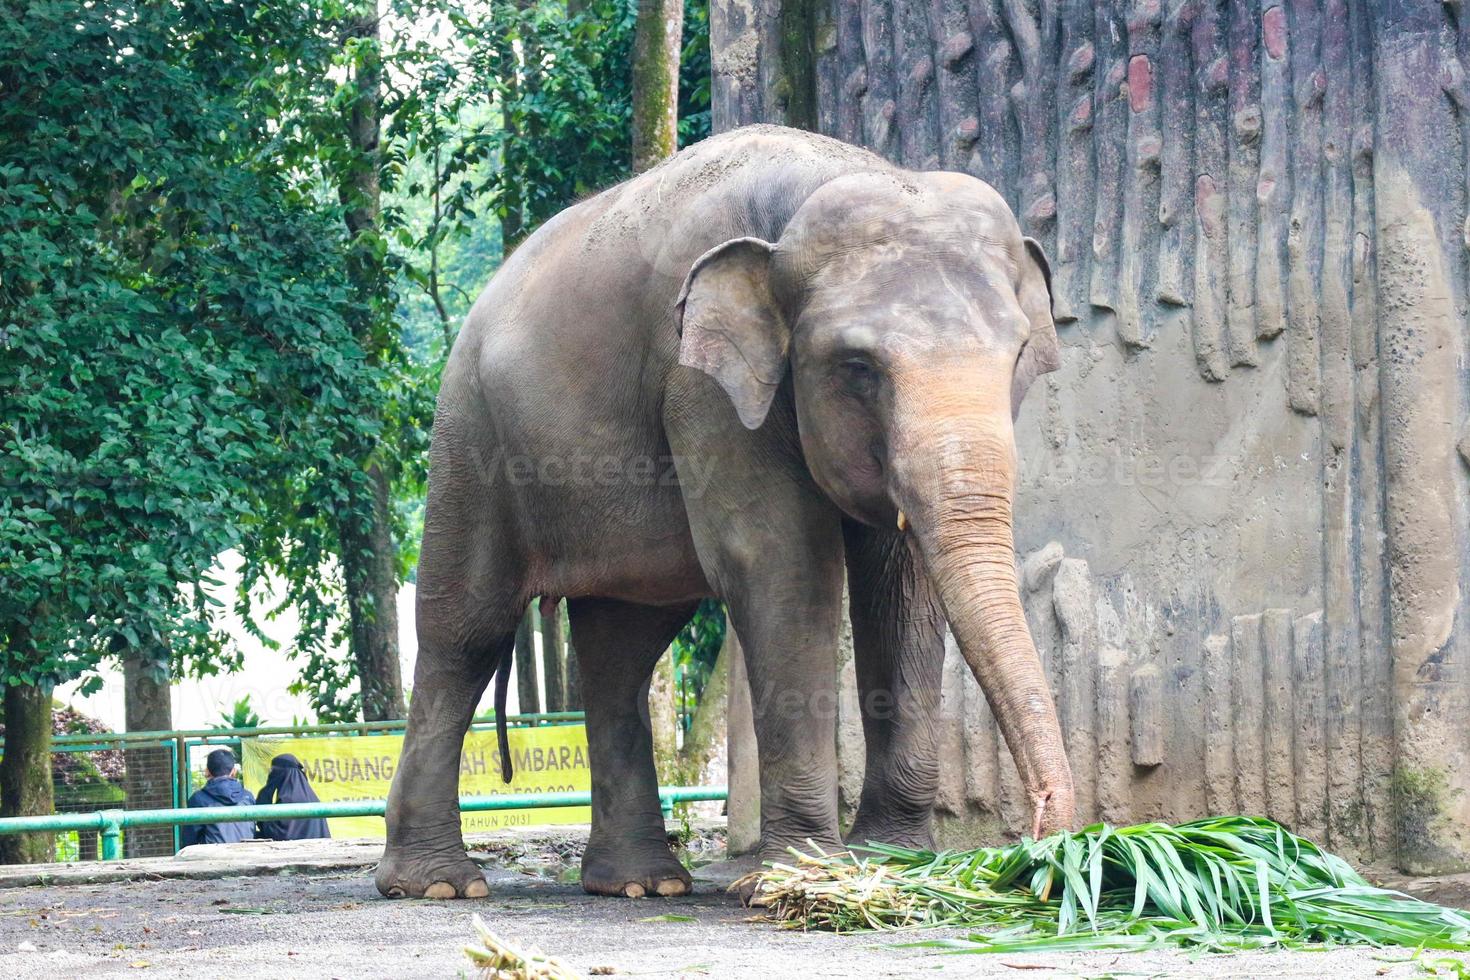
(287, 784)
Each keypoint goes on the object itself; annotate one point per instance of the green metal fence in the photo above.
(164, 757)
(110, 824)
(94, 771)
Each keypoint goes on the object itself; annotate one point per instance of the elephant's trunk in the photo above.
(953, 473)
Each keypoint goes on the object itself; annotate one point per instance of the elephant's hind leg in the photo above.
(425, 855)
(470, 598)
(617, 645)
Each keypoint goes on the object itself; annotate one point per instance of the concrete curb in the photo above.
(535, 847)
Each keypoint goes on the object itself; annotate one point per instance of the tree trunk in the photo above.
(743, 780)
(25, 772)
(435, 293)
(574, 670)
(657, 39)
(663, 719)
(365, 533)
(656, 44)
(371, 574)
(526, 687)
(521, 77)
(553, 662)
(148, 780)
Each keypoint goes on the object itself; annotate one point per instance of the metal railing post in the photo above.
(181, 770)
(112, 821)
(181, 783)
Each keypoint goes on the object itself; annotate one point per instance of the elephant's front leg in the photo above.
(787, 613)
(773, 550)
(898, 650)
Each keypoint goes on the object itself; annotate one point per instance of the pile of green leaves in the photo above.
(1224, 883)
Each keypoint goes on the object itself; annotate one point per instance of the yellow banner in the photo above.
(547, 759)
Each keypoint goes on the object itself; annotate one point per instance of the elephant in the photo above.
(771, 361)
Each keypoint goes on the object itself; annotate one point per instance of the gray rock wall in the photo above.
(1244, 513)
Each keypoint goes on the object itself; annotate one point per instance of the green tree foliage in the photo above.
(241, 715)
(696, 649)
(496, 115)
(183, 366)
(501, 114)
(694, 74)
(322, 527)
(172, 331)
(510, 111)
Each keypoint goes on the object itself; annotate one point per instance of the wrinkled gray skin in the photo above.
(829, 350)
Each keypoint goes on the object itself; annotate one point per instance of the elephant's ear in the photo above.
(1042, 352)
(731, 327)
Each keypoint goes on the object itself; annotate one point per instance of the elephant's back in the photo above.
(584, 307)
(611, 266)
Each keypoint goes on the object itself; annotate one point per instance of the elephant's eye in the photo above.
(858, 375)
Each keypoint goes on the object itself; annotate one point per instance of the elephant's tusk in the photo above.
(903, 522)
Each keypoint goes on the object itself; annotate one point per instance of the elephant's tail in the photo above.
(502, 685)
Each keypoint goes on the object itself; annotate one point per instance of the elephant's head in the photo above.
(912, 316)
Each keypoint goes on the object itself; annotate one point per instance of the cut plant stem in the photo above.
(499, 959)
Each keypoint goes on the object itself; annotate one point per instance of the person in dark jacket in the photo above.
(223, 789)
(287, 784)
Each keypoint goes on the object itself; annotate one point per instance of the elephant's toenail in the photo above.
(634, 890)
(671, 886)
(477, 889)
(440, 889)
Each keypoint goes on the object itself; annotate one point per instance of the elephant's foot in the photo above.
(916, 833)
(720, 875)
(634, 870)
(742, 874)
(736, 875)
(405, 874)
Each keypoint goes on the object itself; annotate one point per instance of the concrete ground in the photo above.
(309, 910)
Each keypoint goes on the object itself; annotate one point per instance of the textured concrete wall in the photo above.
(1244, 514)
